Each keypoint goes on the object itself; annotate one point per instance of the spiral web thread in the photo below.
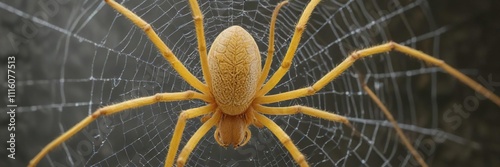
(89, 56)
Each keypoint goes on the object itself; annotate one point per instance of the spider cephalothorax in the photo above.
(233, 130)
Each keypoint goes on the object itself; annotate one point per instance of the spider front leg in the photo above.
(270, 49)
(290, 53)
(115, 108)
(390, 46)
(162, 47)
(200, 35)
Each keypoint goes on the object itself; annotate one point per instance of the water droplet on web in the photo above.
(80, 39)
(378, 85)
(408, 73)
(116, 81)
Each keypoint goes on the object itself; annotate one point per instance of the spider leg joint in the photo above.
(98, 113)
(183, 116)
(300, 27)
(355, 55)
(286, 64)
(301, 160)
(270, 50)
(311, 90)
(285, 140)
(168, 54)
(146, 27)
(197, 18)
(297, 109)
(190, 94)
(158, 97)
(202, 48)
(181, 161)
(392, 45)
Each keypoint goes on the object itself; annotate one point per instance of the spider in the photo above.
(235, 89)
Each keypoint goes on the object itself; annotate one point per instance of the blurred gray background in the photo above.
(470, 44)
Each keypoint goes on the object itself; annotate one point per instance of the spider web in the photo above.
(84, 55)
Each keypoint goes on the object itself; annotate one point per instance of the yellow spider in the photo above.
(234, 87)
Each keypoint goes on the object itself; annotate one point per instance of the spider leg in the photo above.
(304, 110)
(284, 139)
(390, 46)
(193, 141)
(179, 128)
(290, 53)
(164, 50)
(270, 49)
(115, 108)
(400, 133)
(200, 34)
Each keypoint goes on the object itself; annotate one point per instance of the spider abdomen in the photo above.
(234, 64)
